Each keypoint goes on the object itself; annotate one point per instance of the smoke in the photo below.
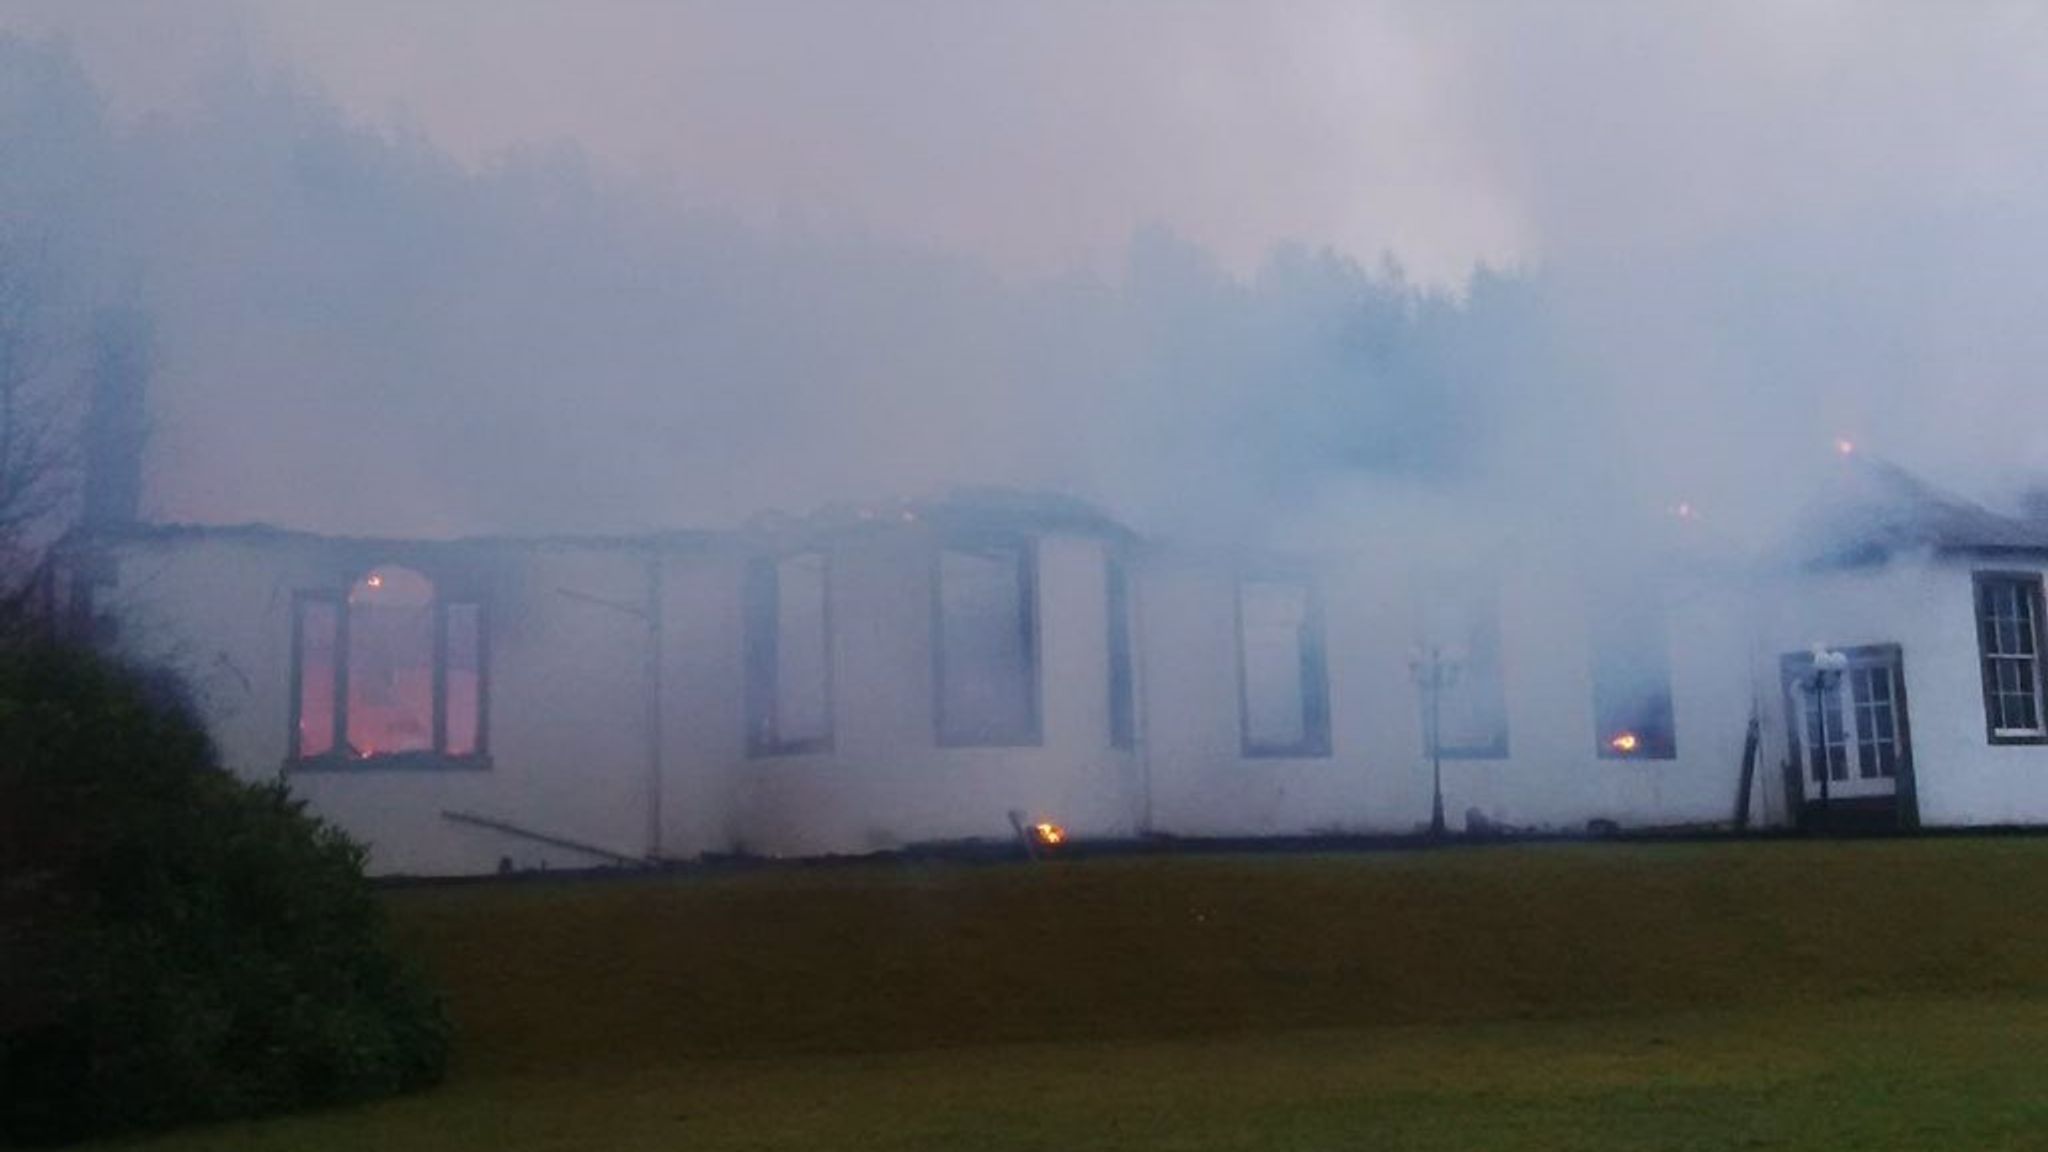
(853, 252)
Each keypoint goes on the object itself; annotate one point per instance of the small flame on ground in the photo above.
(1049, 834)
(374, 580)
(1626, 742)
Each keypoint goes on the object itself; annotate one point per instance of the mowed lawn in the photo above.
(1797, 995)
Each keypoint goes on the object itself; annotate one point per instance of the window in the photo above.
(1632, 714)
(1471, 721)
(789, 656)
(2009, 640)
(1122, 713)
(985, 649)
(1283, 680)
(389, 672)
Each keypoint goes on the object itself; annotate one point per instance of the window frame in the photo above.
(1315, 742)
(1645, 611)
(2030, 586)
(337, 757)
(1122, 663)
(1029, 631)
(763, 607)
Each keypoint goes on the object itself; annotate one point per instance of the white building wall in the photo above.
(571, 754)
(703, 702)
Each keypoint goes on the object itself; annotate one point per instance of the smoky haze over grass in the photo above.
(1738, 236)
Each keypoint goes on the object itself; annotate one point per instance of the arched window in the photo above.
(389, 670)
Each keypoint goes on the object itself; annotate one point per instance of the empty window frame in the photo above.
(388, 673)
(1631, 656)
(789, 655)
(1122, 695)
(1471, 719)
(2009, 645)
(1282, 670)
(985, 644)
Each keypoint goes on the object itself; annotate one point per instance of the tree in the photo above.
(177, 944)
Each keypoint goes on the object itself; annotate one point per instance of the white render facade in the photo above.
(918, 674)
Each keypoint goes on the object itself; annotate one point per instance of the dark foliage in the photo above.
(175, 944)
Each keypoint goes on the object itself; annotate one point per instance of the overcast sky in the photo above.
(1762, 223)
(1038, 133)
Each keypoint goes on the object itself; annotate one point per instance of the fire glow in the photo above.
(1624, 743)
(1049, 835)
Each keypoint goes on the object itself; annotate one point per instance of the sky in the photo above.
(838, 246)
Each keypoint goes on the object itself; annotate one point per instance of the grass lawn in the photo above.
(1851, 995)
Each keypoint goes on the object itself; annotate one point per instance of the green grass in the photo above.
(1852, 995)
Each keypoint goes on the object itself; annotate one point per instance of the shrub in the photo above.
(175, 944)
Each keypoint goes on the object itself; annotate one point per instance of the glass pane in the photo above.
(318, 623)
(390, 663)
(802, 702)
(1274, 622)
(465, 679)
(986, 657)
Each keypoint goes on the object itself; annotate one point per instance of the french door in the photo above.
(1847, 726)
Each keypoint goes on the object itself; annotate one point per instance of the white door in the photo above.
(1848, 727)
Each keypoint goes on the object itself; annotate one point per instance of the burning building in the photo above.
(865, 679)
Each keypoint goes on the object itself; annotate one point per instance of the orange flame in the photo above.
(1626, 742)
(1049, 834)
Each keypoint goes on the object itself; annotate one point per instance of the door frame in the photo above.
(1793, 666)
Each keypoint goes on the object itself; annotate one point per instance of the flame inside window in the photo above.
(1624, 742)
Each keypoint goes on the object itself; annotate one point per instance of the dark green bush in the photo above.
(176, 945)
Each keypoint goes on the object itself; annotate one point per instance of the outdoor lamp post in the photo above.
(1828, 666)
(1434, 670)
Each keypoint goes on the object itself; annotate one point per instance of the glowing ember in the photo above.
(1049, 834)
(1845, 447)
(1626, 742)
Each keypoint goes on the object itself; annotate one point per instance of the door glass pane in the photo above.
(1826, 735)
